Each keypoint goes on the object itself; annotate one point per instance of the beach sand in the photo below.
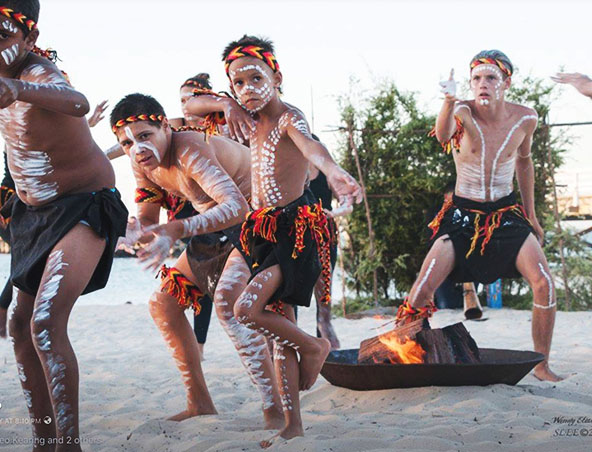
(129, 385)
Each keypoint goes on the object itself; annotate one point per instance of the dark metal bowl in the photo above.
(497, 366)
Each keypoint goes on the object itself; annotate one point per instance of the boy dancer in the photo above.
(482, 234)
(215, 177)
(64, 222)
(287, 235)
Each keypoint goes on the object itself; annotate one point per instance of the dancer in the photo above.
(581, 82)
(215, 177)
(64, 223)
(6, 191)
(482, 234)
(287, 235)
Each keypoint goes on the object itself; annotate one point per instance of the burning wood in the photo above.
(416, 343)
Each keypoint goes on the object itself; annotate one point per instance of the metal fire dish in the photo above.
(497, 366)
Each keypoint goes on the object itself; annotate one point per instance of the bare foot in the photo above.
(543, 373)
(274, 418)
(287, 433)
(327, 331)
(191, 412)
(3, 315)
(311, 363)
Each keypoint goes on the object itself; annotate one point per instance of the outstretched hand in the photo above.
(448, 88)
(345, 188)
(240, 124)
(158, 248)
(97, 115)
(133, 233)
(581, 82)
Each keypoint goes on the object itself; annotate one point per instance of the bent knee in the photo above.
(243, 308)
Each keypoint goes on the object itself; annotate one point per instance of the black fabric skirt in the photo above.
(498, 258)
(35, 230)
(207, 255)
(299, 274)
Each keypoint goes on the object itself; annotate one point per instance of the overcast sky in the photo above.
(112, 48)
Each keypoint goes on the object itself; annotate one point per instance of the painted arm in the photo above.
(344, 186)
(579, 81)
(445, 123)
(45, 87)
(240, 124)
(230, 206)
(525, 178)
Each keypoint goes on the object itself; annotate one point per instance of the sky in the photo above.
(113, 48)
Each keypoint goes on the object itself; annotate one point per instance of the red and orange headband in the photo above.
(251, 51)
(20, 18)
(195, 83)
(136, 118)
(493, 61)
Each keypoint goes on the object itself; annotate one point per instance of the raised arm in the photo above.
(342, 184)
(525, 177)
(240, 124)
(45, 87)
(581, 82)
(445, 124)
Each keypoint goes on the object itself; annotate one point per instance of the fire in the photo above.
(406, 352)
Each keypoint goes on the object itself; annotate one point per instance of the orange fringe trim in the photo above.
(493, 221)
(309, 217)
(176, 285)
(454, 141)
(406, 313)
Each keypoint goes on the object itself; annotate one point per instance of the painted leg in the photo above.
(3, 318)
(177, 332)
(287, 370)
(250, 344)
(435, 268)
(324, 317)
(30, 371)
(532, 264)
(69, 267)
(250, 310)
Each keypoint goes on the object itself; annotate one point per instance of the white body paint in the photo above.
(218, 185)
(8, 26)
(250, 345)
(471, 178)
(55, 364)
(280, 358)
(29, 170)
(550, 303)
(424, 279)
(9, 54)
(138, 147)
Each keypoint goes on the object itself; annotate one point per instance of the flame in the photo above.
(404, 352)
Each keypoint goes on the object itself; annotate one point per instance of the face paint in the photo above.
(497, 86)
(138, 147)
(8, 26)
(10, 54)
(551, 290)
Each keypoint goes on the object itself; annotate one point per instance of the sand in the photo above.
(129, 385)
